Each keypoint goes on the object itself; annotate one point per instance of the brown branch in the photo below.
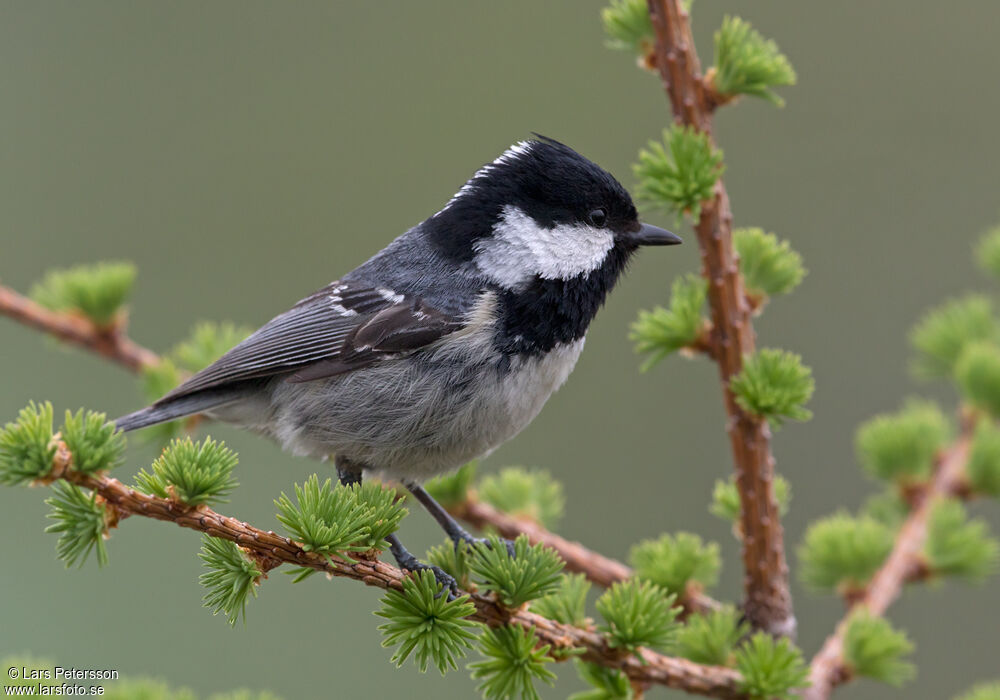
(110, 342)
(904, 563)
(270, 550)
(768, 603)
(598, 568)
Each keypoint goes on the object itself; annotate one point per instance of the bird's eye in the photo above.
(598, 218)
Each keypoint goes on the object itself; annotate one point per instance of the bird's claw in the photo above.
(474, 542)
(444, 579)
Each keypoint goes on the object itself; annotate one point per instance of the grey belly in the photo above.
(409, 419)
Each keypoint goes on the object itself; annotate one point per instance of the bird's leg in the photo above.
(452, 528)
(349, 474)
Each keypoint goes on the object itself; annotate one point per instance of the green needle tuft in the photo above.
(774, 384)
(424, 624)
(771, 668)
(80, 522)
(674, 561)
(531, 573)
(532, 495)
(194, 473)
(872, 648)
(26, 446)
(231, 578)
(96, 291)
(748, 64)
(513, 662)
(637, 613)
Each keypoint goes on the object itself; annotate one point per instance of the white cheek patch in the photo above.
(520, 249)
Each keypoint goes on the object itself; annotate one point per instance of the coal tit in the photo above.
(446, 343)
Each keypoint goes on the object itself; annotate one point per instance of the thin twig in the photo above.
(768, 603)
(903, 564)
(111, 342)
(598, 568)
(271, 550)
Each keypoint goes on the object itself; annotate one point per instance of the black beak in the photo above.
(654, 235)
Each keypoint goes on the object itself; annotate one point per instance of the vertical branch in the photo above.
(768, 603)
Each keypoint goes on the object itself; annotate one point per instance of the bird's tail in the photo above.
(173, 409)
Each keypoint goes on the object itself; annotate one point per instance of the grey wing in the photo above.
(342, 327)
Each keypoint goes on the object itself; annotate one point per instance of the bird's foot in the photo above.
(446, 580)
(407, 561)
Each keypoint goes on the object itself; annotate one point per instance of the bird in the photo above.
(446, 343)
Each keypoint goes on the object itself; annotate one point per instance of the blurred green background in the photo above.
(244, 154)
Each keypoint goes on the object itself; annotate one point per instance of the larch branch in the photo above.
(768, 603)
(270, 550)
(904, 563)
(110, 342)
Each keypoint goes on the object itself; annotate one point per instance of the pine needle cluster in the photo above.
(97, 292)
(978, 375)
(605, 683)
(26, 445)
(748, 64)
(679, 173)
(944, 332)
(983, 467)
(193, 473)
(957, 546)
(637, 613)
(335, 520)
(712, 638)
(901, 447)
(567, 603)
(95, 443)
(661, 332)
(769, 266)
(531, 495)
(774, 384)
(80, 522)
(842, 552)
(426, 625)
(230, 579)
(674, 561)
(872, 648)
(533, 572)
(627, 25)
(513, 661)
(771, 668)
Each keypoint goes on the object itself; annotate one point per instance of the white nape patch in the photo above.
(520, 249)
(519, 149)
(390, 296)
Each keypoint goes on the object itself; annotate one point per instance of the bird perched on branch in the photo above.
(446, 343)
